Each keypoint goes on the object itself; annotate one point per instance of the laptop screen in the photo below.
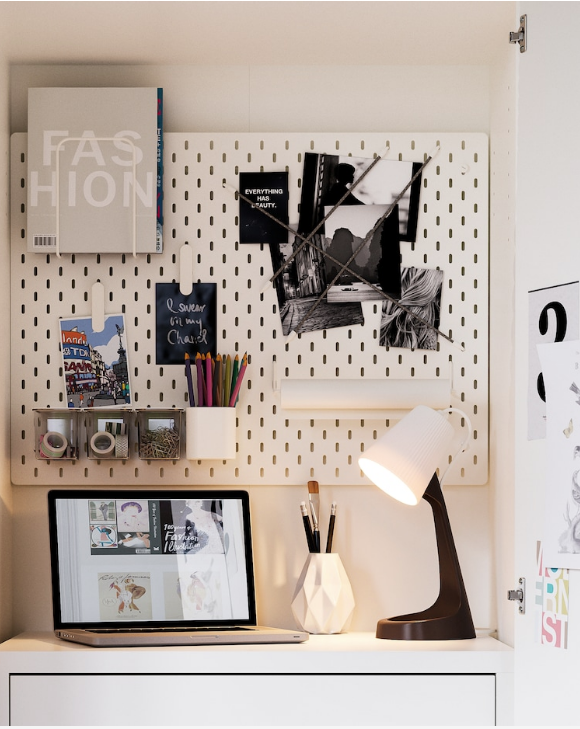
(151, 558)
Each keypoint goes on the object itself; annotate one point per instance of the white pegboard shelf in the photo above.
(272, 448)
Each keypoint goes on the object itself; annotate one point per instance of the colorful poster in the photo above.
(551, 603)
(96, 368)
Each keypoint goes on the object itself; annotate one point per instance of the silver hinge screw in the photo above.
(520, 36)
(519, 595)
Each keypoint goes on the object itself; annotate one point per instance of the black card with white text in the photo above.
(269, 192)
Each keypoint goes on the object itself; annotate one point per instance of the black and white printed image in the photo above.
(327, 177)
(421, 295)
(299, 286)
(377, 260)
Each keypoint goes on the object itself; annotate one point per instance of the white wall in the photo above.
(5, 488)
(387, 549)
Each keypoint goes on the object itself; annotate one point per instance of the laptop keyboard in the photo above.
(218, 629)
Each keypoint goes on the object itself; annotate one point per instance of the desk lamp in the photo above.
(402, 463)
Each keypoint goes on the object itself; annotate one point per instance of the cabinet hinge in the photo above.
(521, 34)
(519, 595)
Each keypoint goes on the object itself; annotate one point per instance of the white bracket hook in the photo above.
(98, 306)
(186, 269)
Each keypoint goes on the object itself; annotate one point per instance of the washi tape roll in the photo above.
(102, 444)
(122, 446)
(53, 445)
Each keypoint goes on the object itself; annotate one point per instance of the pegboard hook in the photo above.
(186, 269)
(98, 306)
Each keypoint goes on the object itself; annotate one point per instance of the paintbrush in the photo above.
(314, 498)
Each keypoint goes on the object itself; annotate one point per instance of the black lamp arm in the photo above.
(449, 617)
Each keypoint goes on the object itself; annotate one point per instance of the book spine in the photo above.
(159, 239)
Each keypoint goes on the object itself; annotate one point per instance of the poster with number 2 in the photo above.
(553, 317)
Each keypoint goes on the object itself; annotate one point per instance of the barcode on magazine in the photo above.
(44, 241)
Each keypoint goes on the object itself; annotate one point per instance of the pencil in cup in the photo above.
(189, 378)
(238, 381)
(199, 362)
(228, 380)
(218, 380)
(209, 380)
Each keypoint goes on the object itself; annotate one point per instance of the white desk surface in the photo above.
(343, 653)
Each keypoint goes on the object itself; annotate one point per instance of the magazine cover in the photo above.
(125, 596)
(192, 527)
(96, 369)
(95, 160)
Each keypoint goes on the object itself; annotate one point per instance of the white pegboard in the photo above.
(273, 447)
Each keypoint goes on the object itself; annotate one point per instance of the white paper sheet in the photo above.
(561, 367)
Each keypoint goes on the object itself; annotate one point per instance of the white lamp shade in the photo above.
(403, 461)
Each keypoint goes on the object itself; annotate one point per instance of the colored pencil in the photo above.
(228, 381)
(200, 385)
(239, 379)
(189, 380)
(219, 381)
(209, 380)
(235, 370)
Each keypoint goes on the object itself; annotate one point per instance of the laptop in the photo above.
(155, 567)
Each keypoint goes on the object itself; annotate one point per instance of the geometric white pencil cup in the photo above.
(323, 602)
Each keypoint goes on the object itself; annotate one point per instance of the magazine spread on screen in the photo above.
(143, 560)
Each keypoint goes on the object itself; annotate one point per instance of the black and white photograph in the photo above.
(378, 260)
(299, 286)
(421, 295)
(326, 178)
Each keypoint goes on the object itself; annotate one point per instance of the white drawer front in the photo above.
(252, 700)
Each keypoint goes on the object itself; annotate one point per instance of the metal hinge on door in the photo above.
(521, 34)
(519, 595)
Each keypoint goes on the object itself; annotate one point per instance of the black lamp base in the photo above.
(406, 627)
(449, 618)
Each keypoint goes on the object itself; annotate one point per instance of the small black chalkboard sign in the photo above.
(184, 323)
